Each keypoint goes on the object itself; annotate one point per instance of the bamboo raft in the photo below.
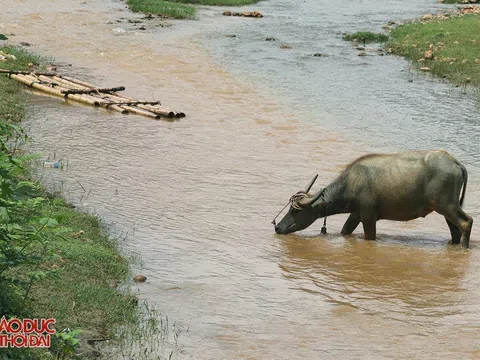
(81, 91)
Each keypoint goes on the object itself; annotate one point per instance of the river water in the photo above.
(196, 196)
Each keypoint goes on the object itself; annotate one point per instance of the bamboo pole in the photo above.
(89, 99)
(76, 81)
(81, 84)
(154, 111)
(15, 72)
(81, 98)
(98, 90)
(141, 112)
(144, 107)
(33, 82)
(63, 80)
(161, 110)
(157, 109)
(70, 84)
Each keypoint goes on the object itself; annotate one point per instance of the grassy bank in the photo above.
(449, 48)
(458, 2)
(180, 9)
(54, 261)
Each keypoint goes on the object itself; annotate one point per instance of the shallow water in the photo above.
(197, 195)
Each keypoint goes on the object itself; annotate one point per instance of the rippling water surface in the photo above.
(197, 195)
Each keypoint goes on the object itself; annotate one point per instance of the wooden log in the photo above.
(135, 103)
(92, 91)
(141, 112)
(33, 82)
(71, 84)
(76, 81)
(80, 98)
(157, 109)
(67, 83)
(160, 110)
(109, 97)
(143, 109)
(15, 72)
(115, 97)
(62, 86)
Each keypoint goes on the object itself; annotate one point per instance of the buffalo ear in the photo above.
(311, 184)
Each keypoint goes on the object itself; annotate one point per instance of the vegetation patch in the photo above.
(180, 9)
(165, 8)
(55, 262)
(366, 37)
(446, 47)
(459, 1)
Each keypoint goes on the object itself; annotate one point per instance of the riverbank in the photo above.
(181, 8)
(56, 262)
(448, 45)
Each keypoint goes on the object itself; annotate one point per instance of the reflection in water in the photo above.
(198, 195)
(405, 278)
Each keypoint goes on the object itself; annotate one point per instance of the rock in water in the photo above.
(119, 31)
(139, 278)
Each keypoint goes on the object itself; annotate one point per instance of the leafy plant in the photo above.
(366, 37)
(67, 342)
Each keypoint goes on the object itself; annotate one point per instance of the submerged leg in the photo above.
(370, 227)
(455, 232)
(351, 224)
(461, 220)
(468, 222)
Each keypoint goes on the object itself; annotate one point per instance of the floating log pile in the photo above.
(81, 91)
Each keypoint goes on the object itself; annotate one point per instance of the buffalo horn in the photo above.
(311, 184)
(309, 200)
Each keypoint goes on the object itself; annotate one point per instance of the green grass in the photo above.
(85, 293)
(366, 37)
(180, 9)
(166, 8)
(455, 46)
(455, 2)
(12, 108)
(218, 2)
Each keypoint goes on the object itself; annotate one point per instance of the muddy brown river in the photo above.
(196, 196)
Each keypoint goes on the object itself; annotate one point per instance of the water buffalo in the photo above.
(400, 186)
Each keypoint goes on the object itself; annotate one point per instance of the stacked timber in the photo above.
(81, 91)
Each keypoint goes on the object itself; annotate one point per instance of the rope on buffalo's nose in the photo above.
(324, 228)
(292, 202)
(273, 221)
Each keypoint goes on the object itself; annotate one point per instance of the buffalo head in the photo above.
(301, 213)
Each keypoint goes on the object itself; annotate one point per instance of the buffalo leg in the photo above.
(370, 228)
(351, 224)
(455, 232)
(461, 220)
(468, 222)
